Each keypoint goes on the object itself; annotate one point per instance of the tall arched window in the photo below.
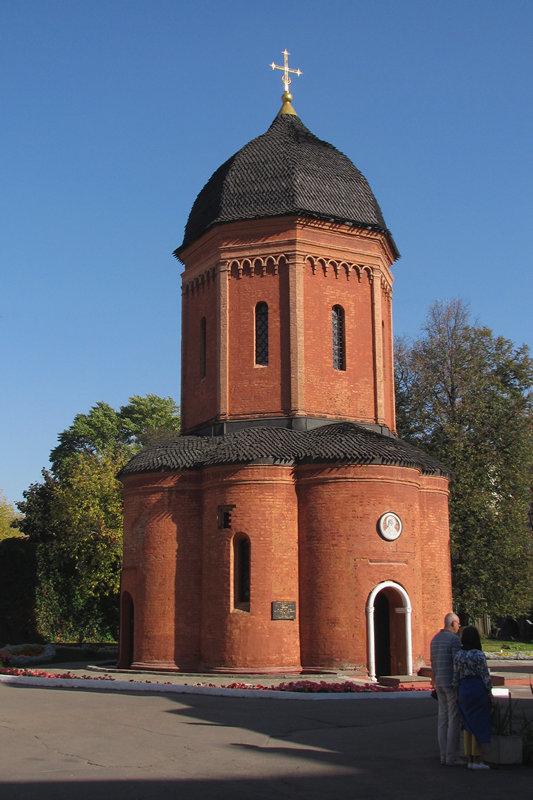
(241, 572)
(203, 347)
(339, 337)
(261, 334)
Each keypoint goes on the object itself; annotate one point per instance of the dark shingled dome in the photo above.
(343, 442)
(286, 171)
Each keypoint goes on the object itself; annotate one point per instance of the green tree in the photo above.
(147, 419)
(35, 519)
(8, 518)
(75, 516)
(79, 563)
(464, 395)
(124, 431)
(95, 432)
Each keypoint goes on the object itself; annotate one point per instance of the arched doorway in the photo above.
(388, 613)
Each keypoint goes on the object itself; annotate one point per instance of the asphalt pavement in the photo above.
(102, 742)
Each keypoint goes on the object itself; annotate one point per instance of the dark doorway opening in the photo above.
(382, 635)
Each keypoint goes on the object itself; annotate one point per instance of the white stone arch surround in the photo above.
(406, 609)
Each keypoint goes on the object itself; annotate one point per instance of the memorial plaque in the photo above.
(284, 609)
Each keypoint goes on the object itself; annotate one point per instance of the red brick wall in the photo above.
(331, 392)
(266, 511)
(199, 396)
(388, 371)
(257, 390)
(314, 540)
(342, 556)
(162, 568)
(435, 569)
(255, 262)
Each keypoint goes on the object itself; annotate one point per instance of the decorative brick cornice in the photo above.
(256, 266)
(386, 285)
(200, 281)
(346, 269)
(268, 264)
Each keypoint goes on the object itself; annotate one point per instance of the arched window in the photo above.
(203, 347)
(339, 337)
(261, 334)
(241, 572)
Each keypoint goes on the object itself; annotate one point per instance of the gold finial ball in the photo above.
(286, 97)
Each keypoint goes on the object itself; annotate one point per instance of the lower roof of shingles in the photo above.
(344, 442)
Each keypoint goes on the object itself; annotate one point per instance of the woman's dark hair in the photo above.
(470, 638)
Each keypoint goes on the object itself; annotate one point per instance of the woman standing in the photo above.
(471, 676)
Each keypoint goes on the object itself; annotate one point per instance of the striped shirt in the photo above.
(444, 646)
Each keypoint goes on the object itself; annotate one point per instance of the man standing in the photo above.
(443, 648)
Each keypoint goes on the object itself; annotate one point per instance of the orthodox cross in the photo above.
(286, 69)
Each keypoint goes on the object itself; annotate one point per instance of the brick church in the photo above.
(287, 528)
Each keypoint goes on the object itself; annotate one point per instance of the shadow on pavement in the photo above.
(100, 744)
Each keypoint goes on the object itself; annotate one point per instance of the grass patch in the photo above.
(505, 646)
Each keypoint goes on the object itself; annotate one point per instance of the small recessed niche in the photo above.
(224, 517)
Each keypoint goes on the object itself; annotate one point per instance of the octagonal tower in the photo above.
(286, 290)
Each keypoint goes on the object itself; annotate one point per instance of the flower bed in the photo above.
(39, 673)
(314, 687)
(23, 654)
(305, 686)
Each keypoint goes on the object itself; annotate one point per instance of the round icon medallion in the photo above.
(390, 526)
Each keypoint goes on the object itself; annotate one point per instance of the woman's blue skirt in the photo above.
(474, 707)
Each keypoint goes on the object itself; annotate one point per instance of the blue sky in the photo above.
(116, 112)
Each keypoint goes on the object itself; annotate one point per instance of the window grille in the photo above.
(261, 334)
(339, 338)
(224, 516)
(241, 572)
